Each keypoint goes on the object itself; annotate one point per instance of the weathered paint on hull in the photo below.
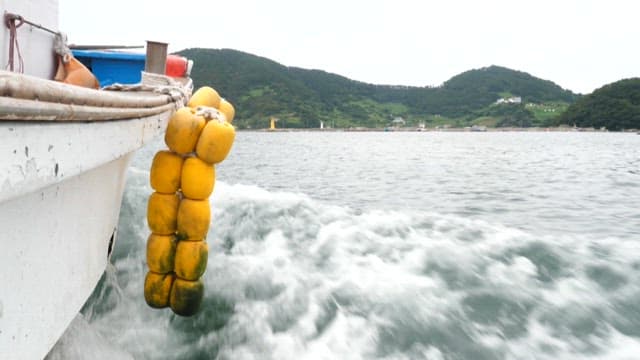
(57, 228)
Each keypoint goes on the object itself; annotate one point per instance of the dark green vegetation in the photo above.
(260, 88)
(615, 106)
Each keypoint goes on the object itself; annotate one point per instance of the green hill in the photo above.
(615, 106)
(260, 88)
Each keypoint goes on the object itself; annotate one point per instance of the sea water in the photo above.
(341, 245)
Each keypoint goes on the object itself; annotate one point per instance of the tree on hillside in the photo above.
(615, 106)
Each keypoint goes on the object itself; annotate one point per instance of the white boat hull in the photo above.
(58, 214)
(63, 160)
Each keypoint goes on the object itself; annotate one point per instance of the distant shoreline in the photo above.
(465, 129)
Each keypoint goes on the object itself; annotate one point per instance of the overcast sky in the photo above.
(578, 44)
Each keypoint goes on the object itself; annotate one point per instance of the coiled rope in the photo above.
(179, 91)
(13, 22)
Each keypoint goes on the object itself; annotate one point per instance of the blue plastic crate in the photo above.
(112, 67)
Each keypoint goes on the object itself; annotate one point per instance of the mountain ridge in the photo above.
(261, 88)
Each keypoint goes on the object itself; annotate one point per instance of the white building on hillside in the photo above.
(398, 121)
(511, 100)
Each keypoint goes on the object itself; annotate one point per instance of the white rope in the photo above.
(210, 113)
(161, 84)
(61, 48)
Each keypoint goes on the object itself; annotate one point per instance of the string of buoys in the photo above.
(198, 137)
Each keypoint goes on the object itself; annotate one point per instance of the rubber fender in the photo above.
(227, 109)
(166, 170)
(183, 131)
(191, 259)
(205, 96)
(186, 296)
(198, 179)
(161, 253)
(162, 213)
(215, 141)
(157, 289)
(193, 219)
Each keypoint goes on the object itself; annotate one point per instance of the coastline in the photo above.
(465, 129)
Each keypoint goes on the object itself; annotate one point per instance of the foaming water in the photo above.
(302, 275)
(81, 338)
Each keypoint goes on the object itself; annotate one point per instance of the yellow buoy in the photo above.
(166, 169)
(183, 131)
(227, 109)
(191, 259)
(204, 96)
(186, 296)
(193, 219)
(157, 289)
(161, 252)
(215, 141)
(198, 136)
(162, 213)
(198, 179)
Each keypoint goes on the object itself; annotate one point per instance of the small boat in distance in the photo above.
(65, 150)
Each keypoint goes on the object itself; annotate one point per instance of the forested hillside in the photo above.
(261, 88)
(615, 106)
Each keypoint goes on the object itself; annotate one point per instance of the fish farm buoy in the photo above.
(183, 176)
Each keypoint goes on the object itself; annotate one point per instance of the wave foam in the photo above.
(293, 278)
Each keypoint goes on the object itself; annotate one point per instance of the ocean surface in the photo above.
(432, 245)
